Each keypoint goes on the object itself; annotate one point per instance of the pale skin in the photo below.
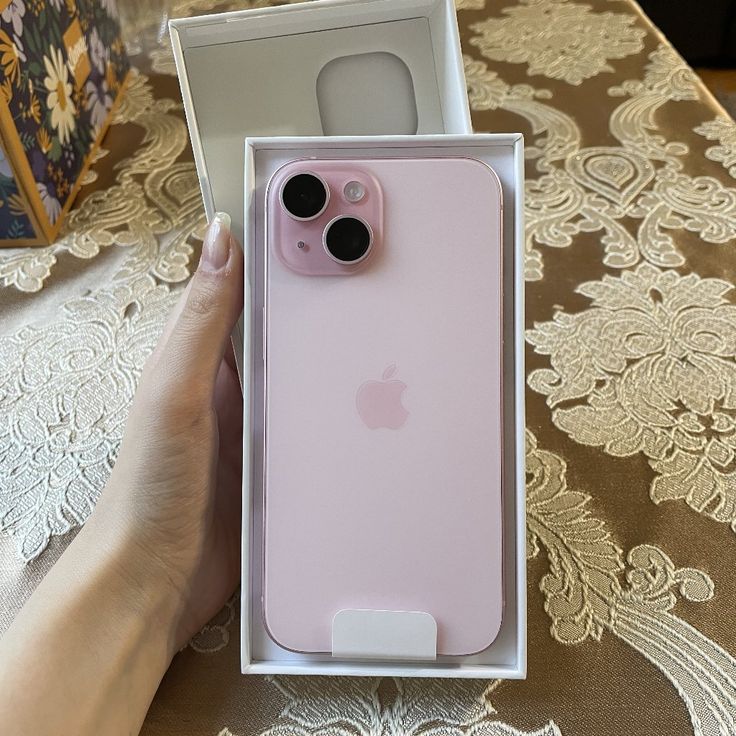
(159, 555)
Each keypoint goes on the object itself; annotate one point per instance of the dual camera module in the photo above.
(346, 239)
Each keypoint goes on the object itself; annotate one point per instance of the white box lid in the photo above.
(257, 72)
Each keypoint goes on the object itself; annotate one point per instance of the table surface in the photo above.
(631, 374)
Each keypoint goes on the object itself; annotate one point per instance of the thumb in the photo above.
(200, 329)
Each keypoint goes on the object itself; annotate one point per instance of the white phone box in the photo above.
(326, 67)
(387, 644)
(387, 68)
(339, 67)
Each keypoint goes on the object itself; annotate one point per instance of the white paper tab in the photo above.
(367, 634)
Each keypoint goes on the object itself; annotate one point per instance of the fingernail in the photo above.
(216, 247)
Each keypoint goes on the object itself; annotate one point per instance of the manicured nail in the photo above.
(216, 247)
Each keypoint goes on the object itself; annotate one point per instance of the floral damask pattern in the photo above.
(56, 455)
(608, 189)
(584, 595)
(374, 707)
(558, 39)
(723, 130)
(650, 367)
(64, 397)
(216, 634)
(632, 351)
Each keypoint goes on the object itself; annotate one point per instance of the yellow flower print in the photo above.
(59, 99)
(80, 97)
(6, 90)
(17, 205)
(110, 77)
(44, 140)
(31, 108)
(11, 54)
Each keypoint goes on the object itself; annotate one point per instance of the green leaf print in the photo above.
(27, 140)
(55, 152)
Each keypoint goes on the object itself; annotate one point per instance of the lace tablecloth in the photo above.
(631, 265)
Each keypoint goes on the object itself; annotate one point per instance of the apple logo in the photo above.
(379, 402)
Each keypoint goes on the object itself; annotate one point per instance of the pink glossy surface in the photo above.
(404, 518)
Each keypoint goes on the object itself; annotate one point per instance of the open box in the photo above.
(506, 657)
(342, 67)
(346, 67)
(328, 67)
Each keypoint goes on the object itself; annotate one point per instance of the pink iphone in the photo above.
(383, 370)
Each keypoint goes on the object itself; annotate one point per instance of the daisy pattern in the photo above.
(97, 51)
(14, 13)
(59, 98)
(50, 203)
(57, 119)
(11, 55)
(99, 102)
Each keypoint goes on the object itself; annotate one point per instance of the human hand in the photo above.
(174, 493)
(160, 553)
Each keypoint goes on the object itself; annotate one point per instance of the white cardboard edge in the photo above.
(191, 118)
(245, 324)
(511, 672)
(277, 20)
(460, 87)
(520, 408)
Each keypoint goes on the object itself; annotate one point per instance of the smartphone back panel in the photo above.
(382, 466)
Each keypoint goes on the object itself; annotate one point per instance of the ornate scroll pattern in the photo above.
(558, 39)
(667, 78)
(584, 595)
(64, 396)
(584, 562)
(373, 707)
(650, 367)
(553, 201)
(723, 130)
(603, 188)
(66, 387)
(215, 635)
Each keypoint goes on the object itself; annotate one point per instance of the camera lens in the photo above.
(347, 239)
(304, 196)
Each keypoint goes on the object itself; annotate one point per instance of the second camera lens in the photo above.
(304, 196)
(347, 239)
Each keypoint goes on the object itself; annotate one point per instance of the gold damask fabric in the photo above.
(631, 388)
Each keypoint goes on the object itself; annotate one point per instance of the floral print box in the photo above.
(62, 70)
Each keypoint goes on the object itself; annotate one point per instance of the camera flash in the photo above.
(354, 191)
